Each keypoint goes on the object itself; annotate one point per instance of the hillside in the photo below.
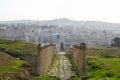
(12, 68)
(17, 60)
(17, 48)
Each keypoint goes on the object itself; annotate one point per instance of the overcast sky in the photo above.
(100, 10)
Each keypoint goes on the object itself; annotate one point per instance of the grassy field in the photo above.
(17, 48)
(102, 50)
(103, 63)
(102, 68)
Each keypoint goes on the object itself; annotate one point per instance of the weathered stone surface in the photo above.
(79, 58)
(44, 57)
(61, 68)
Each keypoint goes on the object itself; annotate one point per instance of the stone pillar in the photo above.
(83, 56)
(38, 59)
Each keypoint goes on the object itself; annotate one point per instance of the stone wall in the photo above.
(68, 49)
(44, 57)
(79, 58)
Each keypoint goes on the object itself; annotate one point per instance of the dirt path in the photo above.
(61, 68)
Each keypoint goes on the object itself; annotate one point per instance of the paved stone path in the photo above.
(61, 68)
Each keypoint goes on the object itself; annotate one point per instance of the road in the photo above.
(61, 68)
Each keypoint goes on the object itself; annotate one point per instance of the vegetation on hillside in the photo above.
(8, 63)
(12, 68)
(103, 68)
(103, 51)
(103, 63)
(17, 48)
(74, 67)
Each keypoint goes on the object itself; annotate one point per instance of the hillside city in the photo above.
(63, 30)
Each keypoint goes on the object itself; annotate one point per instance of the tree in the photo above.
(116, 42)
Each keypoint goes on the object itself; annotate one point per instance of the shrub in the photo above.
(106, 55)
(108, 74)
(75, 78)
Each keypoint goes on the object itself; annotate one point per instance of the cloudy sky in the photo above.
(100, 10)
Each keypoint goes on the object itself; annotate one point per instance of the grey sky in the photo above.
(100, 10)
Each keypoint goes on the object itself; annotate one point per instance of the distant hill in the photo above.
(67, 22)
(75, 32)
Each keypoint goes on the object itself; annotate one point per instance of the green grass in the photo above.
(13, 67)
(74, 67)
(75, 78)
(55, 57)
(44, 77)
(97, 47)
(8, 51)
(103, 51)
(103, 63)
(17, 48)
(17, 64)
(99, 68)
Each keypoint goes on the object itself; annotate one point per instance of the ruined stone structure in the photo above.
(79, 58)
(68, 49)
(45, 53)
(44, 57)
